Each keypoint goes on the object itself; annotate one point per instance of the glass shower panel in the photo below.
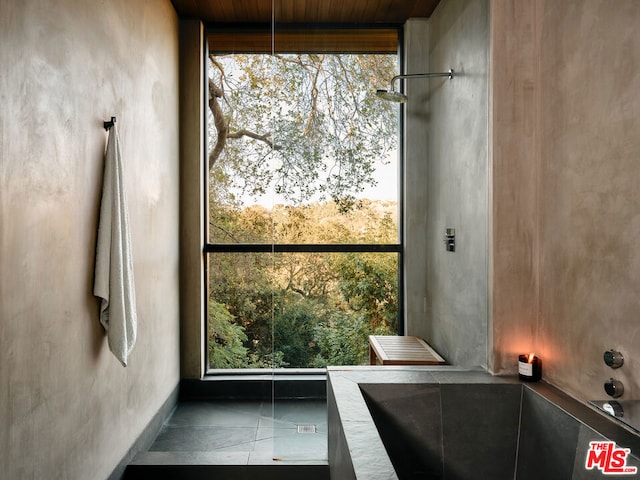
(336, 183)
(302, 155)
(298, 429)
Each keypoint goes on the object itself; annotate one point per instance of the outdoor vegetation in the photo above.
(293, 147)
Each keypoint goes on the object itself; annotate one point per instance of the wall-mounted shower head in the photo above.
(393, 95)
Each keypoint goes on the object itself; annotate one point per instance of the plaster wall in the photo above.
(514, 281)
(416, 49)
(456, 183)
(68, 409)
(571, 165)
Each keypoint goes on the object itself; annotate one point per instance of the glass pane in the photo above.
(301, 310)
(300, 152)
(301, 138)
(240, 311)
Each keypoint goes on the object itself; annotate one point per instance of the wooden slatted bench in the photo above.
(405, 350)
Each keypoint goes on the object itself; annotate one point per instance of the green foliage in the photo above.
(369, 283)
(226, 339)
(294, 332)
(304, 309)
(268, 360)
(344, 340)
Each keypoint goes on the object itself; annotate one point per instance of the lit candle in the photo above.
(529, 367)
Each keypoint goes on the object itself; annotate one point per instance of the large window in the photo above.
(303, 196)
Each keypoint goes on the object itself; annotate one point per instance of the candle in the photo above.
(529, 367)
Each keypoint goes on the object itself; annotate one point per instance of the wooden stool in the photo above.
(394, 350)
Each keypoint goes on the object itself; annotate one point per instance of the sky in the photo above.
(386, 176)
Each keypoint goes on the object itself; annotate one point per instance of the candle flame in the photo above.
(531, 356)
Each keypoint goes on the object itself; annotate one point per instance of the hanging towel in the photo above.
(114, 283)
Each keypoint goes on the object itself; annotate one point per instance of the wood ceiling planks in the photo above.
(379, 40)
(306, 11)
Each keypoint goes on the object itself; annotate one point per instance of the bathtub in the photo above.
(449, 423)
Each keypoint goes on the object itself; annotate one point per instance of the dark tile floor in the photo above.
(266, 431)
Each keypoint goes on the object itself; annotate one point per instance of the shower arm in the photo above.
(421, 75)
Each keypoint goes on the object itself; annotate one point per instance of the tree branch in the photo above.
(247, 133)
(221, 124)
(225, 231)
(314, 98)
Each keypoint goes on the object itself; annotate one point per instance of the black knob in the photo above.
(614, 388)
(613, 359)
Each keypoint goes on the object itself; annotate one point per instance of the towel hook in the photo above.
(109, 124)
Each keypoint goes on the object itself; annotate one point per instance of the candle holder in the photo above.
(529, 367)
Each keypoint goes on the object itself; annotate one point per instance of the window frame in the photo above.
(398, 248)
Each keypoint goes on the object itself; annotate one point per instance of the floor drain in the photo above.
(306, 429)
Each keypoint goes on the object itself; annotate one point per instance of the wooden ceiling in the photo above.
(370, 40)
(334, 12)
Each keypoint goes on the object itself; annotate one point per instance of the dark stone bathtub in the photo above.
(446, 423)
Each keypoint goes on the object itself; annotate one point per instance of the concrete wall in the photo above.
(416, 141)
(514, 184)
(68, 409)
(453, 114)
(566, 205)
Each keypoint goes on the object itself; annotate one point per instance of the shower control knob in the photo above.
(450, 239)
(613, 359)
(614, 388)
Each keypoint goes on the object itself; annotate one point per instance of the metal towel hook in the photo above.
(110, 123)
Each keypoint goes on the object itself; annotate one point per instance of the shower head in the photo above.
(393, 95)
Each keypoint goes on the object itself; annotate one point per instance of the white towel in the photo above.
(114, 282)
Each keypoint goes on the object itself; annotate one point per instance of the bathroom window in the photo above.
(304, 246)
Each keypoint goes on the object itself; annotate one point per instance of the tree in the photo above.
(226, 349)
(306, 125)
(294, 330)
(309, 129)
(369, 283)
(308, 309)
(342, 339)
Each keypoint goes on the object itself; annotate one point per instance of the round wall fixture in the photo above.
(613, 358)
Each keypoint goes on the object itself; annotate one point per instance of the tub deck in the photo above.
(405, 422)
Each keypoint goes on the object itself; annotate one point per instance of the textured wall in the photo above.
(68, 409)
(416, 50)
(577, 107)
(457, 182)
(589, 122)
(514, 184)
